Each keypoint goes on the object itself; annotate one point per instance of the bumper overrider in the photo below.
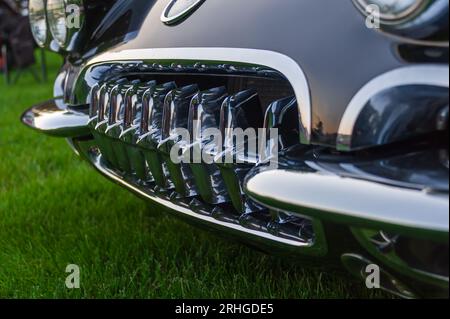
(380, 197)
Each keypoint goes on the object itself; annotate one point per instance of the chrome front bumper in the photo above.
(361, 218)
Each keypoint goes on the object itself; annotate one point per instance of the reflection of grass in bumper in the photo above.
(55, 211)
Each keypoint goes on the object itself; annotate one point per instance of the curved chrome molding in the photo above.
(181, 15)
(351, 201)
(406, 40)
(432, 75)
(274, 60)
(318, 248)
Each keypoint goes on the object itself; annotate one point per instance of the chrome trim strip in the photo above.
(351, 201)
(433, 75)
(277, 61)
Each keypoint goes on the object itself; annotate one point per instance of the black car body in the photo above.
(361, 172)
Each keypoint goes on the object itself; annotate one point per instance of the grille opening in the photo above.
(132, 120)
(269, 89)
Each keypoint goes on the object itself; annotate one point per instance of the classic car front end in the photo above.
(357, 91)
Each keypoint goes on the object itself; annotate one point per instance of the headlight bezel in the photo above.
(389, 19)
(42, 42)
(70, 33)
(424, 21)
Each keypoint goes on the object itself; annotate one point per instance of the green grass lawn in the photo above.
(55, 210)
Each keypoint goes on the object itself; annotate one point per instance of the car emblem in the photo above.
(177, 10)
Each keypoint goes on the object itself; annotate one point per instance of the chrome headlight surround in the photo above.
(391, 11)
(419, 19)
(38, 22)
(65, 20)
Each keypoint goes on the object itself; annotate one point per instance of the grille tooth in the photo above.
(131, 124)
(104, 105)
(205, 114)
(130, 106)
(100, 125)
(175, 115)
(283, 115)
(291, 227)
(95, 111)
(241, 110)
(150, 132)
(224, 215)
(115, 123)
(258, 221)
(155, 104)
(94, 104)
(115, 105)
(199, 207)
(176, 109)
(238, 111)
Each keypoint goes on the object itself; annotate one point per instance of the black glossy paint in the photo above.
(327, 38)
(108, 23)
(398, 114)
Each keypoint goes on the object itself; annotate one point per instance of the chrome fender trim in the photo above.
(433, 75)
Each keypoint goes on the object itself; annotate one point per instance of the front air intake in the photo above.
(135, 118)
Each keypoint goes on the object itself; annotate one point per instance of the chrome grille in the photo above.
(134, 121)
